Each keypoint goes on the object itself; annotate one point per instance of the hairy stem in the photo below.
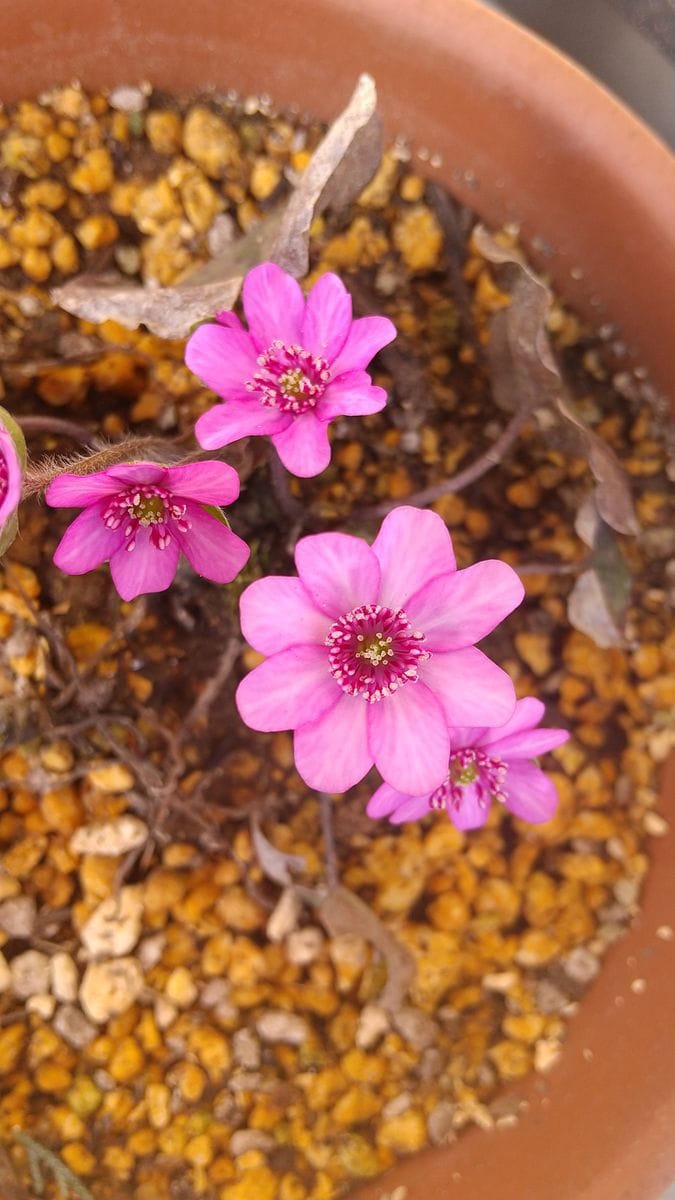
(58, 426)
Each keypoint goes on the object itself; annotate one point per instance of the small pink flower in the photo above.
(486, 765)
(11, 476)
(372, 653)
(141, 516)
(299, 366)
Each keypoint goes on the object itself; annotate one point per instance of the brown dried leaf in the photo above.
(599, 599)
(341, 911)
(274, 863)
(342, 164)
(525, 375)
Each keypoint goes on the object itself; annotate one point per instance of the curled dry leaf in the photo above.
(342, 164)
(341, 911)
(599, 599)
(525, 375)
(275, 864)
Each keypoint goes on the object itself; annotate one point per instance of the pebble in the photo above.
(373, 1022)
(303, 946)
(284, 917)
(581, 965)
(246, 1049)
(110, 988)
(165, 131)
(30, 974)
(210, 142)
(403, 1133)
(64, 977)
(243, 1140)
(180, 988)
(416, 1027)
(440, 1123)
(128, 98)
(71, 1024)
(279, 1026)
(115, 926)
(42, 1005)
(418, 238)
(114, 778)
(17, 916)
(5, 975)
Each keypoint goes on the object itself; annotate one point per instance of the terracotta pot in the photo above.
(524, 135)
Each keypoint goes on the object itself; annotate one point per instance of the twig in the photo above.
(289, 505)
(484, 463)
(535, 568)
(202, 705)
(39, 1157)
(57, 425)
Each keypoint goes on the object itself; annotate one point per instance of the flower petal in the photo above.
(223, 358)
(212, 550)
(328, 315)
(13, 476)
(72, 491)
(530, 743)
(408, 737)
(288, 690)
(472, 811)
(87, 542)
(209, 482)
(225, 423)
(339, 571)
(278, 612)
(274, 306)
(526, 715)
(332, 753)
(303, 447)
(388, 802)
(471, 688)
(352, 395)
(145, 568)
(137, 472)
(412, 547)
(366, 336)
(530, 794)
(458, 610)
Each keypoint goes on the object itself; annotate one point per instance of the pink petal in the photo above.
(278, 612)
(328, 315)
(412, 547)
(457, 610)
(14, 478)
(87, 542)
(530, 794)
(408, 738)
(288, 690)
(274, 306)
(72, 491)
(472, 811)
(210, 482)
(351, 395)
(137, 472)
(339, 571)
(530, 743)
(332, 754)
(471, 688)
(223, 358)
(212, 550)
(229, 319)
(225, 423)
(366, 336)
(303, 447)
(387, 802)
(526, 715)
(414, 808)
(145, 568)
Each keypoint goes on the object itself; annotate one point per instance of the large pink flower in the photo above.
(141, 516)
(10, 476)
(485, 765)
(372, 654)
(299, 365)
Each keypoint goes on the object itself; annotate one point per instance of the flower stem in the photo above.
(287, 502)
(329, 851)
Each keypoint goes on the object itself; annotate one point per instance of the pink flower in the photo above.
(299, 366)
(372, 653)
(141, 516)
(11, 475)
(485, 765)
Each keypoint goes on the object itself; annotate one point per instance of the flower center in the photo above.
(4, 478)
(373, 650)
(290, 378)
(470, 767)
(147, 506)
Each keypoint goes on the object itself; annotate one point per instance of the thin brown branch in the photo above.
(59, 427)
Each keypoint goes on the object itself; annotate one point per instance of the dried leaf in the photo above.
(275, 864)
(341, 911)
(599, 599)
(525, 374)
(342, 164)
